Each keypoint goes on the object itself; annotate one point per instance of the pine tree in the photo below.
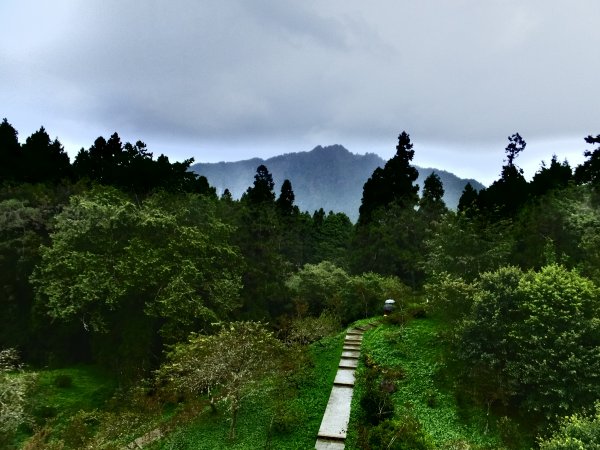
(262, 190)
(285, 202)
(468, 199)
(10, 152)
(589, 171)
(506, 196)
(44, 159)
(392, 184)
(432, 203)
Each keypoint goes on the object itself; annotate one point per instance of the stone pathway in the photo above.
(332, 433)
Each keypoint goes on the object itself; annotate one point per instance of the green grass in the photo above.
(87, 388)
(302, 414)
(417, 350)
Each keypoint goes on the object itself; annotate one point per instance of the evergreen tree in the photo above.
(431, 205)
(319, 217)
(285, 202)
(259, 238)
(468, 200)
(505, 196)
(331, 236)
(131, 168)
(547, 178)
(226, 196)
(392, 184)
(262, 190)
(516, 146)
(43, 159)
(10, 152)
(589, 171)
(98, 163)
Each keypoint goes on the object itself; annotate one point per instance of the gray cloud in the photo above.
(218, 74)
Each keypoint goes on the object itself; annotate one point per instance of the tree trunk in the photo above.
(234, 414)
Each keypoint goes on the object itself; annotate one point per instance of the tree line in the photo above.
(115, 257)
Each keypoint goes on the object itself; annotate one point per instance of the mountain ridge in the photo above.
(329, 177)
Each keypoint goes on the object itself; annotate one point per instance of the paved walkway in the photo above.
(332, 433)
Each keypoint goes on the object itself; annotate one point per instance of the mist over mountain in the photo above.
(328, 177)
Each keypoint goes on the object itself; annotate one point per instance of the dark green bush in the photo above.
(405, 433)
(376, 401)
(44, 412)
(63, 381)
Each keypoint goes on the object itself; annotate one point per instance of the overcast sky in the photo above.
(232, 79)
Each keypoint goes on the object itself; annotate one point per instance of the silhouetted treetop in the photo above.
(285, 202)
(506, 195)
(262, 189)
(10, 151)
(516, 145)
(432, 203)
(468, 199)
(557, 175)
(393, 183)
(132, 168)
(589, 171)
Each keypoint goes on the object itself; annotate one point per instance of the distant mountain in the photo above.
(329, 177)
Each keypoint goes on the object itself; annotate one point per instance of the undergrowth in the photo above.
(410, 356)
(61, 394)
(290, 419)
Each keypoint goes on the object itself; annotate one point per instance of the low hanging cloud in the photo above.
(463, 74)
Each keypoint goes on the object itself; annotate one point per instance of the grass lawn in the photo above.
(60, 393)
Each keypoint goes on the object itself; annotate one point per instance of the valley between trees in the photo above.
(135, 300)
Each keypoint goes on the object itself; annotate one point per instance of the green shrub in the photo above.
(577, 432)
(81, 428)
(405, 433)
(534, 337)
(450, 296)
(376, 401)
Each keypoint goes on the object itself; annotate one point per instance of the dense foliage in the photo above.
(535, 335)
(133, 264)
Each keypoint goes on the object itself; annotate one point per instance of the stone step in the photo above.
(330, 444)
(354, 333)
(344, 377)
(332, 433)
(350, 347)
(337, 414)
(348, 363)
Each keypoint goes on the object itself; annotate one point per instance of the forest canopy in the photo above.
(135, 264)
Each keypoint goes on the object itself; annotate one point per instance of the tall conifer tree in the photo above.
(392, 184)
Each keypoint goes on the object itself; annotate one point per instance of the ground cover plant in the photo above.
(57, 395)
(408, 360)
(288, 421)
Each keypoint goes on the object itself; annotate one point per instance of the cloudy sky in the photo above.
(232, 79)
